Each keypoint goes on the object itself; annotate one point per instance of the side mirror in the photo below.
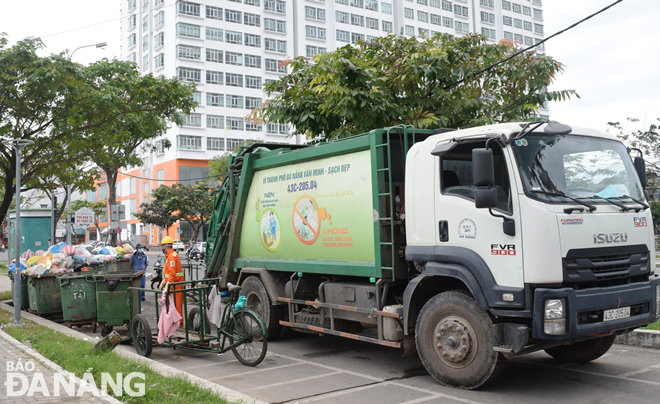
(640, 167)
(483, 168)
(485, 198)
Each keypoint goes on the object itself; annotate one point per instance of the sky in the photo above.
(611, 60)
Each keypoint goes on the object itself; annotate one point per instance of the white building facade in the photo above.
(231, 48)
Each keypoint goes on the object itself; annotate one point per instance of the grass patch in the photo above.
(78, 356)
(654, 326)
(6, 295)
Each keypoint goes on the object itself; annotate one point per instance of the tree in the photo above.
(645, 139)
(195, 205)
(99, 208)
(394, 80)
(161, 211)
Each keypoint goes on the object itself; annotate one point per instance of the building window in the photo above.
(436, 19)
(132, 40)
(192, 120)
(312, 32)
(187, 8)
(189, 74)
(487, 17)
(355, 38)
(234, 37)
(343, 36)
(215, 122)
(234, 123)
(386, 8)
(188, 30)
(371, 5)
(462, 27)
(461, 11)
(357, 3)
(131, 4)
(233, 16)
(506, 5)
(488, 3)
(489, 33)
(233, 58)
(372, 23)
(213, 77)
(410, 30)
(409, 13)
(253, 40)
(160, 146)
(253, 20)
(273, 25)
(185, 142)
(133, 186)
(342, 17)
(313, 13)
(213, 13)
(197, 97)
(518, 38)
(517, 23)
(233, 143)
(252, 2)
(526, 10)
(213, 55)
(253, 127)
(357, 20)
(275, 6)
(103, 192)
(423, 2)
(447, 22)
(506, 20)
(159, 40)
(252, 82)
(132, 21)
(252, 102)
(145, 43)
(538, 14)
(422, 16)
(214, 34)
(253, 61)
(215, 100)
(188, 52)
(160, 174)
(527, 25)
(516, 8)
(387, 26)
(446, 5)
(234, 80)
(540, 45)
(528, 41)
(215, 143)
(159, 61)
(538, 29)
(159, 19)
(234, 101)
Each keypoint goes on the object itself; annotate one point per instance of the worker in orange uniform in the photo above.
(173, 272)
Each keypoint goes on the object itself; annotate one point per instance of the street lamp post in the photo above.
(17, 144)
(69, 227)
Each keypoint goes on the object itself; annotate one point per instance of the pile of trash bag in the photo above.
(63, 258)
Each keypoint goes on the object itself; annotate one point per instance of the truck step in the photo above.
(356, 337)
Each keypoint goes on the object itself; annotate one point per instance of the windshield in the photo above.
(555, 166)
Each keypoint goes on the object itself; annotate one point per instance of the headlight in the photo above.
(554, 309)
(555, 317)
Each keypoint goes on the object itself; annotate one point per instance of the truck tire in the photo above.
(583, 351)
(258, 301)
(455, 341)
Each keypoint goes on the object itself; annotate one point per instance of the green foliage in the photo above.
(655, 211)
(219, 165)
(161, 211)
(647, 139)
(192, 203)
(394, 80)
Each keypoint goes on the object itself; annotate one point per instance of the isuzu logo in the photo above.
(607, 238)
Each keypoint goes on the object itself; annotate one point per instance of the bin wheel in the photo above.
(105, 330)
(141, 334)
(195, 320)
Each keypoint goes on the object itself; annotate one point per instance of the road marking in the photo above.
(636, 372)
(437, 395)
(331, 368)
(588, 372)
(293, 381)
(258, 370)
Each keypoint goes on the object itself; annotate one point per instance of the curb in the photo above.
(53, 366)
(164, 370)
(640, 338)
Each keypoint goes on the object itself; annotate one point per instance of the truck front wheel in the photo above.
(583, 351)
(455, 341)
(258, 301)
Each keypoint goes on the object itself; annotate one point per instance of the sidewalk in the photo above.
(11, 351)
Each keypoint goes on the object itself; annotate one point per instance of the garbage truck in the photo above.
(467, 246)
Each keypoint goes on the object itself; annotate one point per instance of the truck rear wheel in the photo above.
(455, 341)
(583, 351)
(258, 301)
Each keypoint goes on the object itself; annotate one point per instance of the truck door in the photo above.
(461, 225)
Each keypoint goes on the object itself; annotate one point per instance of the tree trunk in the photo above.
(111, 178)
(109, 342)
(8, 197)
(59, 210)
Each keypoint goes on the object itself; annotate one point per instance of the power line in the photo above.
(179, 180)
(447, 87)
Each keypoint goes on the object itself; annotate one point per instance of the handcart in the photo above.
(242, 331)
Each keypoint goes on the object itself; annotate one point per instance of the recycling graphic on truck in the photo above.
(302, 213)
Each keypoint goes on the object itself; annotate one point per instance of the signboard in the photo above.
(84, 217)
(317, 210)
(59, 233)
(118, 212)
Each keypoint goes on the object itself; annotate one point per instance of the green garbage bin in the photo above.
(123, 265)
(113, 299)
(25, 302)
(78, 298)
(44, 294)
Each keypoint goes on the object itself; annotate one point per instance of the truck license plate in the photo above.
(616, 314)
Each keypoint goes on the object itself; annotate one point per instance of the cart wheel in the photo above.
(141, 334)
(195, 320)
(246, 329)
